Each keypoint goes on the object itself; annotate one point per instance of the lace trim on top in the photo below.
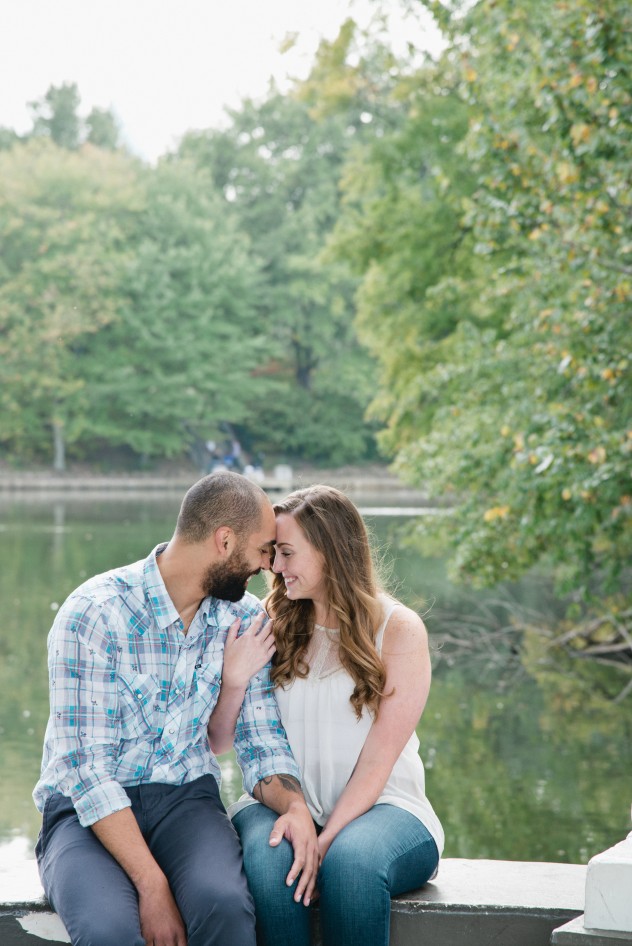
(322, 652)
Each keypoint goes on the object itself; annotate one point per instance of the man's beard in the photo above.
(228, 580)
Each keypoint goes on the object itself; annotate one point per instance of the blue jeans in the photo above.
(385, 852)
(188, 832)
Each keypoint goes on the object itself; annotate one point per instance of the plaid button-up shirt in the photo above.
(131, 694)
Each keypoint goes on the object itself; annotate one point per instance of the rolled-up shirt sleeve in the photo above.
(261, 744)
(83, 730)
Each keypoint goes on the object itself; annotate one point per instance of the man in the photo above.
(136, 847)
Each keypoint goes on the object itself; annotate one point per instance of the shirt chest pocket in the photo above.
(139, 704)
(207, 679)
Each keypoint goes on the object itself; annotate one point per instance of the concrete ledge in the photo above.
(575, 933)
(65, 483)
(480, 902)
(473, 902)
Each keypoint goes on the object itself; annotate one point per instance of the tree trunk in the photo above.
(59, 446)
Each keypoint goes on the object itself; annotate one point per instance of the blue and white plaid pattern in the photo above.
(131, 695)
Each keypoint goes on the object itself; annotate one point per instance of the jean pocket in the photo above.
(55, 806)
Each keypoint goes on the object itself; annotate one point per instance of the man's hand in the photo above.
(160, 920)
(283, 793)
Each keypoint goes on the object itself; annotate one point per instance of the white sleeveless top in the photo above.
(326, 737)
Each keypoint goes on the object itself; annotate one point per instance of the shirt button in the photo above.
(172, 731)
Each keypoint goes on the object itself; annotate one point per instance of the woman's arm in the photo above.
(244, 656)
(407, 663)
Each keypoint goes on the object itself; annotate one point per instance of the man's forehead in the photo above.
(267, 532)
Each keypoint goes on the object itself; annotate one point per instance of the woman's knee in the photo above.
(349, 863)
(265, 866)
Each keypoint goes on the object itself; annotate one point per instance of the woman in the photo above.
(352, 673)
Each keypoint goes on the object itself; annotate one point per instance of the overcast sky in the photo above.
(163, 66)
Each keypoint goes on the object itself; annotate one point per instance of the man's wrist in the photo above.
(150, 880)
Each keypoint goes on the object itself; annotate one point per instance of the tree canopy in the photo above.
(492, 232)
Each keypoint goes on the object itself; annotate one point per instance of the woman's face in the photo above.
(298, 562)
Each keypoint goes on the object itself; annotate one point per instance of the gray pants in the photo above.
(189, 834)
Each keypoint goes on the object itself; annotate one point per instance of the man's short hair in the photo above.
(220, 499)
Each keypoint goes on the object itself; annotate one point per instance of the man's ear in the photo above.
(224, 541)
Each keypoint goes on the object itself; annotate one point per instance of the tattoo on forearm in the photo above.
(288, 782)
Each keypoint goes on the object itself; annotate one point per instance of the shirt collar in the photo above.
(159, 603)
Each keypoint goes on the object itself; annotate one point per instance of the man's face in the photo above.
(228, 580)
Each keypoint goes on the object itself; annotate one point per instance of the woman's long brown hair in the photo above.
(335, 528)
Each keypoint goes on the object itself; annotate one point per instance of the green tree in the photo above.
(277, 169)
(521, 411)
(62, 219)
(182, 357)
(8, 138)
(127, 314)
(102, 129)
(55, 115)
(401, 231)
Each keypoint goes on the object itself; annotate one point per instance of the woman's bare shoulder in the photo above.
(405, 630)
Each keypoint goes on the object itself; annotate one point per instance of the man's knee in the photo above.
(225, 919)
(106, 931)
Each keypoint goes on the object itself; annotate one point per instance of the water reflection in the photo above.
(533, 772)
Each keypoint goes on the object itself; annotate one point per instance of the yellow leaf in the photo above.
(505, 431)
(598, 455)
(496, 512)
(566, 173)
(580, 133)
(591, 84)
(566, 494)
(470, 74)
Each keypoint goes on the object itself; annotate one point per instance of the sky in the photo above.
(165, 67)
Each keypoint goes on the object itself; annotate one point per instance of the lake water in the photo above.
(516, 768)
